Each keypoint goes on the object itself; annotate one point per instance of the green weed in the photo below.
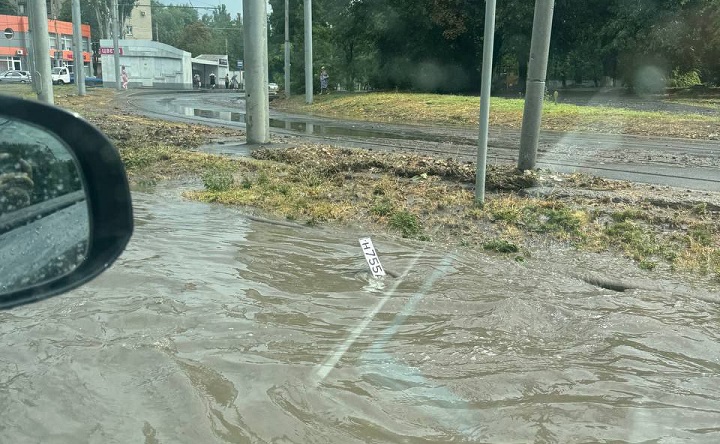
(217, 180)
(501, 246)
(405, 222)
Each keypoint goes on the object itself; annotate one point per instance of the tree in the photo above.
(97, 14)
(436, 45)
(171, 21)
(196, 39)
(324, 52)
(214, 33)
(227, 34)
(7, 8)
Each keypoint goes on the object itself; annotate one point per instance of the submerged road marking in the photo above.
(409, 307)
(326, 367)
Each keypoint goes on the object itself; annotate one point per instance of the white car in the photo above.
(273, 89)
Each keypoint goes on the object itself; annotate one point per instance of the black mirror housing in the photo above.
(107, 193)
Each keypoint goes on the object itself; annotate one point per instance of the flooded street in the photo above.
(217, 328)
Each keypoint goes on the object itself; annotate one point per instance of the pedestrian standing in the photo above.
(234, 81)
(124, 77)
(227, 81)
(212, 80)
(324, 81)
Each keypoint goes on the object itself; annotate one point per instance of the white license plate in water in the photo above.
(371, 257)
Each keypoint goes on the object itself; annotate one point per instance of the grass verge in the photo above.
(463, 110)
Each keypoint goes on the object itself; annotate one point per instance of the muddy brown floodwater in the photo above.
(214, 328)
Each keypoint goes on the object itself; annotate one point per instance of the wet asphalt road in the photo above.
(681, 163)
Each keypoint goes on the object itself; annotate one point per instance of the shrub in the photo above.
(684, 80)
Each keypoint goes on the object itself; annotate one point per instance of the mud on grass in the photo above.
(433, 200)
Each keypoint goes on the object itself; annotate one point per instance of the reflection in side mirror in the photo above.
(65, 206)
(44, 217)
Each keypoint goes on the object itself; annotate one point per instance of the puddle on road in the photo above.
(309, 128)
(213, 328)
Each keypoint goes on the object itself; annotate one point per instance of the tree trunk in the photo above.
(349, 56)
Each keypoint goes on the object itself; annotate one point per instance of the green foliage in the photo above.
(702, 235)
(629, 214)
(281, 188)
(638, 242)
(97, 14)
(262, 178)
(368, 41)
(382, 207)
(405, 222)
(647, 264)
(500, 246)
(553, 219)
(685, 80)
(217, 180)
(171, 21)
(214, 33)
(7, 8)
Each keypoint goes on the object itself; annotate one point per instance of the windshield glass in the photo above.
(58, 70)
(391, 221)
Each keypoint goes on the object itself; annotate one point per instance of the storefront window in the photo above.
(10, 63)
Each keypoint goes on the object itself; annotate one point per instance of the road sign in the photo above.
(240, 65)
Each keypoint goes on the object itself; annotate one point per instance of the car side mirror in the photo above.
(65, 208)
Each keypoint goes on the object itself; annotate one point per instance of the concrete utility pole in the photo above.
(78, 59)
(31, 52)
(308, 53)
(257, 102)
(537, 71)
(41, 52)
(488, 43)
(287, 48)
(116, 45)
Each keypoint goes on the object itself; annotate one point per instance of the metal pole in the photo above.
(488, 43)
(308, 53)
(78, 59)
(41, 54)
(116, 45)
(287, 48)
(537, 70)
(257, 103)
